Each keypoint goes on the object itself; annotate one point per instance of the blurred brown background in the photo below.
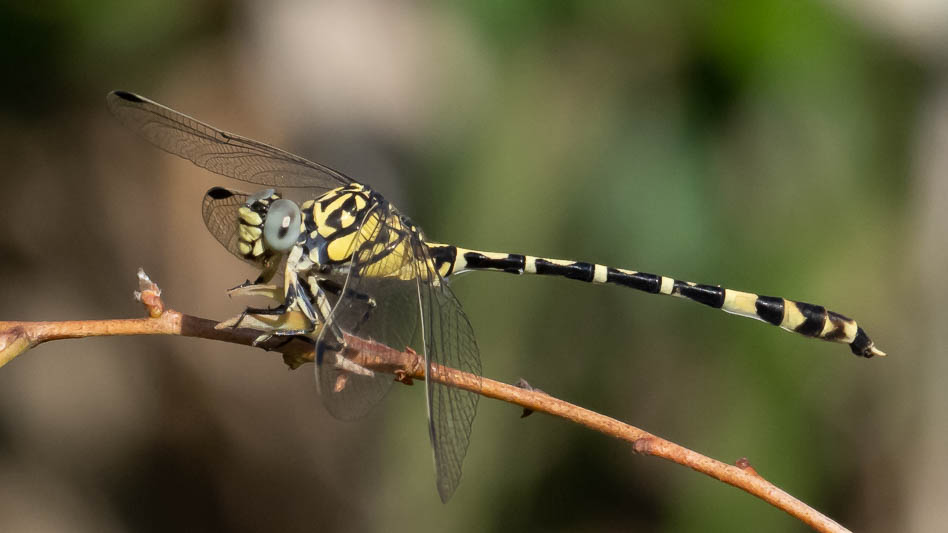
(786, 147)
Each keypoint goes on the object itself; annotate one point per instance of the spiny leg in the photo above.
(276, 328)
(295, 300)
(797, 317)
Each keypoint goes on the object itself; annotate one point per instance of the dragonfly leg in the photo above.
(283, 320)
(264, 311)
(264, 277)
(336, 344)
(246, 283)
(334, 288)
(288, 333)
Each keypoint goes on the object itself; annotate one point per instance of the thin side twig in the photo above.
(18, 337)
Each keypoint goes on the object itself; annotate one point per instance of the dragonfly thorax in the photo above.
(332, 222)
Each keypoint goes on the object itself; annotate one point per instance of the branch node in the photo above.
(149, 294)
(744, 464)
(643, 446)
(403, 377)
(13, 342)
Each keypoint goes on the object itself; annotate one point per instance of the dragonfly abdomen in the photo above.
(797, 317)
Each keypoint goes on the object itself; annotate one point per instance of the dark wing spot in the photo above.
(219, 193)
(124, 95)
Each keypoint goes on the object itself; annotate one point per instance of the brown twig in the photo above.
(18, 337)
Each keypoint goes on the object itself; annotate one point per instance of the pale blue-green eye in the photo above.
(282, 225)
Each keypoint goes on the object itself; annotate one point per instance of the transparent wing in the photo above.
(219, 208)
(218, 151)
(449, 340)
(368, 307)
(415, 308)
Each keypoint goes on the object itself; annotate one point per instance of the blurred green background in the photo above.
(795, 148)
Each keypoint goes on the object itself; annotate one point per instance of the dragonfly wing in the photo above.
(220, 209)
(218, 151)
(370, 307)
(410, 305)
(449, 342)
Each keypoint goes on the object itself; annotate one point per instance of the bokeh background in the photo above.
(795, 148)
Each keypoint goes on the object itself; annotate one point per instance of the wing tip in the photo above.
(127, 96)
(446, 489)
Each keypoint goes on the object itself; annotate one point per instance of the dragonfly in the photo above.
(353, 264)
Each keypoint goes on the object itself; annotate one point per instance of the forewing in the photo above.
(218, 151)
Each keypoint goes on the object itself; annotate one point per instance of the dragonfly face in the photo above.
(267, 224)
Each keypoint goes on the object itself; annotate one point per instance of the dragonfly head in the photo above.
(268, 223)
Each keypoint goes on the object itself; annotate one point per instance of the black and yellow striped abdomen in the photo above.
(798, 317)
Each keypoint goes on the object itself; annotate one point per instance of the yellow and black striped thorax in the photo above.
(356, 224)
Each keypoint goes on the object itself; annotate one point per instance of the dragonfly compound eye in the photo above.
(282, 225)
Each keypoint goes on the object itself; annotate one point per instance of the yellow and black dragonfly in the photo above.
(353, 264)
